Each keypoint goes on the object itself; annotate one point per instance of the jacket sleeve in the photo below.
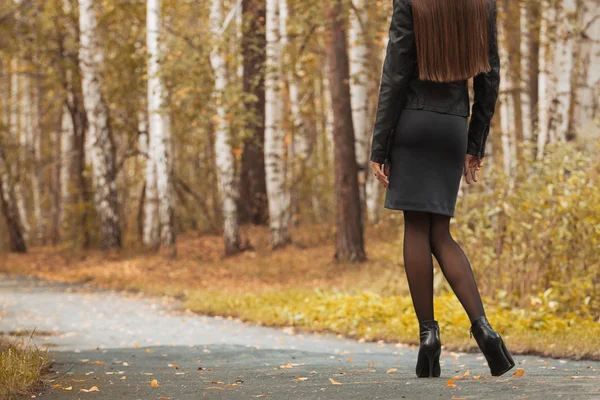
(398, 69)
(486, 87)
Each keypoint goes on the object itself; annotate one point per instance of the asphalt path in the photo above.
(121, 346)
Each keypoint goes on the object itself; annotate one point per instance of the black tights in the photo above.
(426, 234)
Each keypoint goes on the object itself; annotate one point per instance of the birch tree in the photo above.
(102, 151)
(545, 78)
(159, 178)
(526, 48)
(225, 162)
(587, 109)
(359, 90)
(66, 166)
(564, 68)
(507, 105)
(274, 135)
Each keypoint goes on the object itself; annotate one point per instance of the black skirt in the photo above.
(427, 159)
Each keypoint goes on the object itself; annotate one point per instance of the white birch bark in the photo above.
(587, 110)
(274, 135)
(564, 63)
(159, 166)
(16, 134)
(507, 105)
(526, 45)
(67, 137)
(358, 54)
(225, 162)
(545, 84)
(101, 146)
(36, 155)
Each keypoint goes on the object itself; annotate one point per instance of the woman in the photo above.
(423, 144)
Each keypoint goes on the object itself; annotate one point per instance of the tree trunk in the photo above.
(67, 141)
(507, 105)
(10, 208)
(359, 94)
(545, 83)
(533, 20)
(564, 67)
(526, 48)
(225, 162)
(587, 109)
(159, 137)
(349, 223)
(274, 135)
(16, 134)
(254, 204)
(102, 146)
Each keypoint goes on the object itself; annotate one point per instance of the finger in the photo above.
(468, 175)
(383, 181)
(473, 174)
(380, 177)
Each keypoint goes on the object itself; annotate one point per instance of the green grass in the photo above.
(371, 317)
(21, 369)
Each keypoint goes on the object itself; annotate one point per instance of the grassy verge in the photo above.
(21, 369)
(301, 287)
(369, 316)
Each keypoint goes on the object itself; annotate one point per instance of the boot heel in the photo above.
(428, 359)
(428, 363)
(492, 346)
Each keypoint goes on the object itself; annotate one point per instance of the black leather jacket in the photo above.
(401, 88)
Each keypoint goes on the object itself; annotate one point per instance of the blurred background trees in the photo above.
(124, 124)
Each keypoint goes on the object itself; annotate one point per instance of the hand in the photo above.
(472, 166)
(381, 172)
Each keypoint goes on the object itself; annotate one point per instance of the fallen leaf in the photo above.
(123, 378)
(154, 383)
(137, 346)
(58, 385)
(476, 376)
(287, 366)
(519, 372)
(98, 362)
(174, 366)
(467, 373)
(78, 380)
(334, 382)
(68, 389)
(450, 383)
(149, 351)
(92, 389)
(350, 358)
(391, 370)
(302, 379)
(216, 382)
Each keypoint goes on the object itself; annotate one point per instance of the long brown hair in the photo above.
(451, 38)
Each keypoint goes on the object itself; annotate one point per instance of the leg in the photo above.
(418, 263)
(455, 266)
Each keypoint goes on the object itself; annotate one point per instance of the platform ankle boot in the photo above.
(498, 358)
(428, 360)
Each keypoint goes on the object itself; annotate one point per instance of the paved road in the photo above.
(120, 344)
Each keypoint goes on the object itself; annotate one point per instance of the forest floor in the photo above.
(301, 288)
(126, 346)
